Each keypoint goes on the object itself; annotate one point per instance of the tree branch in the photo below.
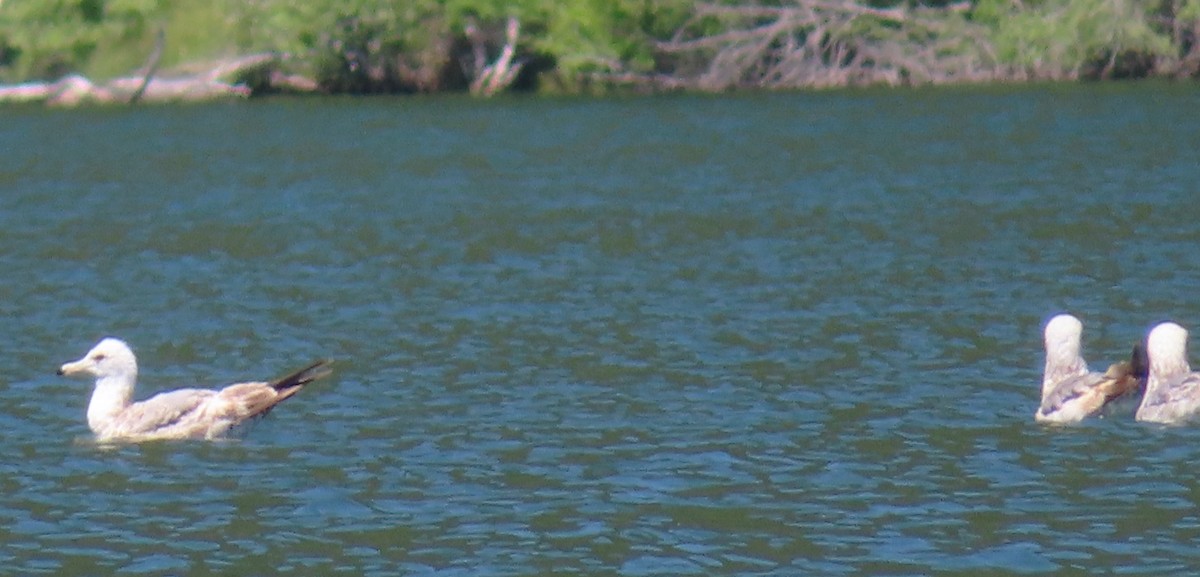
(151, 66)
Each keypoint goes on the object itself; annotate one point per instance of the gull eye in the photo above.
(98, 357)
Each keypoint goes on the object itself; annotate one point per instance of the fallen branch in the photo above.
(493, 78)
(208, 81)
(28, 92)
(824, 43)
(151, 66)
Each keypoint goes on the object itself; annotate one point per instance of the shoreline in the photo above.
(264, 74)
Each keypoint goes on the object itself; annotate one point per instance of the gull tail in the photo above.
(244, 402)
(1126, 376)
(1139, 362)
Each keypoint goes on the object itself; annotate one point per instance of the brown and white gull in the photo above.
(1172, 389)
(180, 414)
(1070, 392)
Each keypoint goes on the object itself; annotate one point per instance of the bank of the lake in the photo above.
(95, 51)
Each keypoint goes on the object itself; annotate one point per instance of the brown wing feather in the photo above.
(243, 401)
(1090, 392)
(1127, 376)
(1118, 380)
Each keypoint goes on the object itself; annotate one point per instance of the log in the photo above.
(200, 82)
(27, 92)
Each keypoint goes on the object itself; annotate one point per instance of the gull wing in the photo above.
(161, 414)
(1081, 392)
(1077, 397)
(1176, 400)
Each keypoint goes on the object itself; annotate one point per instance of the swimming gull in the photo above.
(179, 414)
(1070, 391)
(1172, 390)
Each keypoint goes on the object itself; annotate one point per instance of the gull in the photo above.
(178, 414)
(1172, 390)
(1070, 391)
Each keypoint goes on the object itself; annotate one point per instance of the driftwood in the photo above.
(489, 79)
(74, 90)
(819, 43)
(195, 83)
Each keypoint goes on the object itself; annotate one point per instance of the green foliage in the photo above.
(1189, 10)
(596, 35)
(102, 38)
(384, 50)
(45, 35)
(105, 38)
(352, 44)
(369, 45)
(1056, 38)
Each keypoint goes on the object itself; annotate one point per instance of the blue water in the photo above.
(792, 334)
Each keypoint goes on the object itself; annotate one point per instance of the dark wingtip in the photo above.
(317, 370)
(1139, 361)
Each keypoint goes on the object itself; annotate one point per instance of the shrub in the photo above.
(1068, 39)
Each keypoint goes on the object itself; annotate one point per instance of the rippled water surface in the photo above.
(753, 335)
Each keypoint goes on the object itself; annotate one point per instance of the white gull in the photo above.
(1070, 392)
(179, 414)
(1172, 390)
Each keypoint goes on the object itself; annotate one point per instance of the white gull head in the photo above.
(1063, 359)
(112, 363)
(1167, 348)
(109, 358)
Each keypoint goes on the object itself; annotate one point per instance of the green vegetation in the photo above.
(1089, 37)
(576, 45)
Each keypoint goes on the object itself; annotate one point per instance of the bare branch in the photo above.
(490, 79)
(151, 65)
(831, 42)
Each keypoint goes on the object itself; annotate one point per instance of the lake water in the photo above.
(788, 334)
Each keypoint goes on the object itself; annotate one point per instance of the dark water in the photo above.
(755, 335)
